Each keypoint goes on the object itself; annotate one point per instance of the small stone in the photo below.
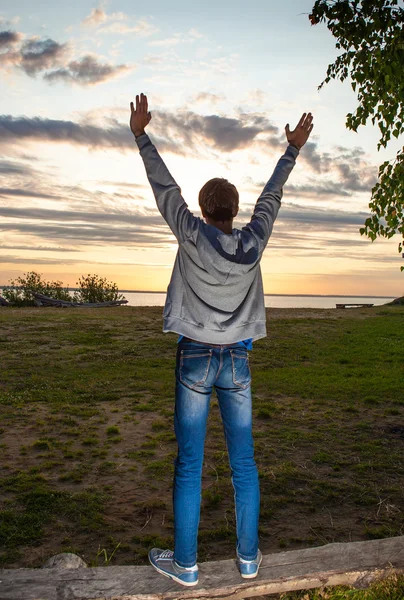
(66, 560)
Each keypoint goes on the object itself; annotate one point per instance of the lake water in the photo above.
(271, 301)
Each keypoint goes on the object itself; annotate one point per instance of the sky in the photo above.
(222, 80)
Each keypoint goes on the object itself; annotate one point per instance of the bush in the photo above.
(19, 291)
(94, 288)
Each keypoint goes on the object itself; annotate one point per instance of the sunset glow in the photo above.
(74, 196)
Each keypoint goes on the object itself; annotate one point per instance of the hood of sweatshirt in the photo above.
(222, 254)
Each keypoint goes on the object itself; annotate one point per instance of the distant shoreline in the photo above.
(272, 295)
(284, 295)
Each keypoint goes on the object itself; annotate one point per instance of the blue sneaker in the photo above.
(249, 568)
(163, 561)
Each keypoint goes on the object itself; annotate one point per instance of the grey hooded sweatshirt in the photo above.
(215, 293)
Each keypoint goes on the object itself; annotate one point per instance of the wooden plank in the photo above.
(360, 305)
(355, 563)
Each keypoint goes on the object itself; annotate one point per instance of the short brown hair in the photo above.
(218, 199)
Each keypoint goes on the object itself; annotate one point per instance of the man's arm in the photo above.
(269, 202)
(166, 191)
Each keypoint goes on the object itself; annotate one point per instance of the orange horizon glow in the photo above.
(156, 279)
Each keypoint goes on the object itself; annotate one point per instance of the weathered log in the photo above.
(357, 305)
(42, 300)
(355, 563)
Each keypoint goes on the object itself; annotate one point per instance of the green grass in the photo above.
(389, 588)
(36, 505)
(87, 438)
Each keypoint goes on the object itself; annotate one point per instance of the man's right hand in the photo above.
(299, 136)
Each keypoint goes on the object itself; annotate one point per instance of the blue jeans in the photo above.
(199, 367)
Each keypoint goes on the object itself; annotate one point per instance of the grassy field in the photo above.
(87, 443)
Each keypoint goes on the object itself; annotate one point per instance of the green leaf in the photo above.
(369, 32)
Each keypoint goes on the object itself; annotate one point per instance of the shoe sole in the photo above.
(249, 576)
(173, 577)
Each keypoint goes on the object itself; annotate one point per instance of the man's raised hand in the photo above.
(139, 118)
(299, 136)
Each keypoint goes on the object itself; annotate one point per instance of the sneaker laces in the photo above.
(166, 554)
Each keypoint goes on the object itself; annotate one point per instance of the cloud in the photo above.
(9, 56)
(186, 128)
(37, 248)
(330, 188)
(18, 260)
(150, 219)
(172, 41)
(96, 17)
(122, 184)
(346, 172)
(131, 227)
(282, 238)
(39, 55)
(7, 22)
(257, 96)
(87, 71)
(173, 64)
(9, 38)
(54, 61)
(151, 223)
(8, 167)
(52, 130)
(306, 230)
(355, 172)
(207, 97)
(10, 259)
(332, 219)
(185, 38)
(227, 134)
(95, 234)
(142, 29)
(117, 23)
(313, 218)
(153, 60)
(360, 179)
(76, 196)
(26, 193)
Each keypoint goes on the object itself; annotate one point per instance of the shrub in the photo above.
(19, 292)
(93, 288)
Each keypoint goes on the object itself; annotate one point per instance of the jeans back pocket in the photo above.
(194, 366)
(240, 368)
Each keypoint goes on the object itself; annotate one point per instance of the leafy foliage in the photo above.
(19, 292)
(93, 288)
(370, 33)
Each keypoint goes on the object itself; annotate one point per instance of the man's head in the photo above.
(218, 200)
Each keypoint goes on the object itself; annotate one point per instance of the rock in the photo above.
(66, 560)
